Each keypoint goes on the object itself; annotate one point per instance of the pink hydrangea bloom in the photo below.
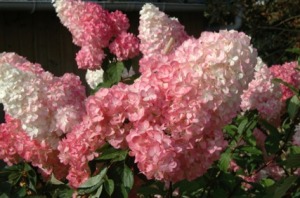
(225, 64)
(38, 98)
(88, 22)
(20, 62)
(90, 57)
(263, 95)
(158, 33)
(125, 46)
(120, 22)
(78, 148)
(176, 110)
(16, 145)
(296, 137)
(288, 73)
(92, 28)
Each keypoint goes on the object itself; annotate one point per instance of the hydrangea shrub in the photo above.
(197, 117)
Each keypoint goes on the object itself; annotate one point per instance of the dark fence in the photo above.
(41, 38)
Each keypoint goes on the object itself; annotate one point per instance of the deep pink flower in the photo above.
(125, 46)
(288, 73)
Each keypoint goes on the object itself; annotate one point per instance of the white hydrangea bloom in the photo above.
(94, 77)
(158, 33)
(21, 94)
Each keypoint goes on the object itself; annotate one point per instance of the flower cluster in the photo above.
(158, 33)
(93, 28)
(171, 117)
(288, 73)
(16, 146)
(263, 95)
(47, 106)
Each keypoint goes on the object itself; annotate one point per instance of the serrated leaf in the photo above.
(224, 161)
(284, 186)
(293, 106)
(94, 180)
(109, 186)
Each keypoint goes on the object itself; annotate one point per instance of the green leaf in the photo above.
(225, 161)
(293, 107)
(124, 192)
(284, 186)
(113, 154)
(65, 193)
(273, 139)
(294, 50)
(14, 177)
(230, 129)
(21, 192)
(267, 182)
(293, 161)
(127, 177)
(113, 74)
(109, 186)
(84, 191)
(94, 180)
(242, 125)
(251, 150)
(55, 181)
(98, 193)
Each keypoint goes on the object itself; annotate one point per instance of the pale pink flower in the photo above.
(296, 136)
(20, 62)
(158, 33)
(263, 95)
(35, 98)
